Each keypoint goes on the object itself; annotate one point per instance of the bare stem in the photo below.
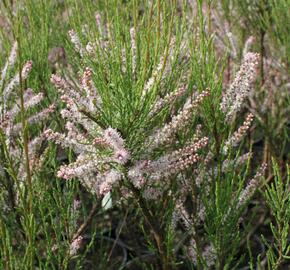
(86, 222)
(26, 153)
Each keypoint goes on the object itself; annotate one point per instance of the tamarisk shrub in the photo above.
(140, 129)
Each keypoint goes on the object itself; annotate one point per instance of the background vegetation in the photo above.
(216, 206)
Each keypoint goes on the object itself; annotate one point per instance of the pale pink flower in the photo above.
(177, 123)
(241, 86)
(9, 63)
(167, 100)
(134, 49)
(75, 245)
(16, 80)
(75, 40)
(251, 186)
(239, 134)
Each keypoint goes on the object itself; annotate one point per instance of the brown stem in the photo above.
(195, 235)
(262, 53)
(155, 228)
(82, 228)
(118, 235)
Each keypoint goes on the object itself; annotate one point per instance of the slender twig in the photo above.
(86, 223)
(154, 225)
(24, 129)
(118, 235)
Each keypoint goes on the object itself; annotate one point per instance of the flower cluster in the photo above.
(166, 165)
(76, 42)
(99, 149)
(11, 128)
(75, 245)
(92, 164)
(252, 186)
(8, 116)
(168, 99)
(102, 157)
(239, 134)
(178, 122)
(9, 63)
(241, 86)
(134, 49)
